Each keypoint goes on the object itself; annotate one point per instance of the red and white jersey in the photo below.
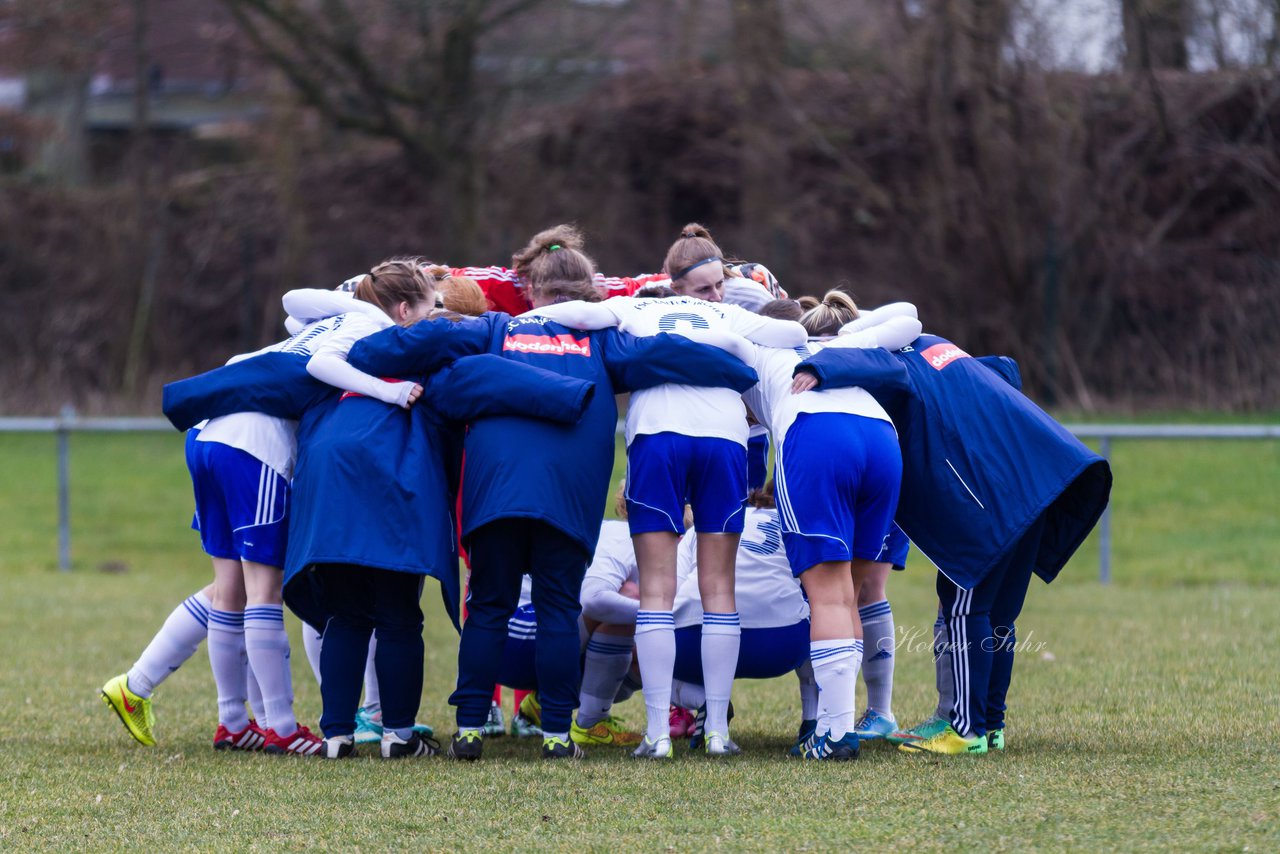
(506, 292)
(502, 287)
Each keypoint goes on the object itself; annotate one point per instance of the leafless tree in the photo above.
(403, 70)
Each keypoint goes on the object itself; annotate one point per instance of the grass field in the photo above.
(1143, 715)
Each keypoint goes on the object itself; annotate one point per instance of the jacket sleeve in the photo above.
(1006, 367)
(489, 385)
(273, 383)
(637, 363)
(872, 369)
(424, 347)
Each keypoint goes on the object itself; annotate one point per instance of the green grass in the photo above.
(1142, 714)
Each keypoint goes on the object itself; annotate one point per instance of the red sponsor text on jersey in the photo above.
(553, 345)
(941, 355)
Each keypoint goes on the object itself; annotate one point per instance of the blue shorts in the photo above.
(242, 504)
(895, 548)
(837, 479)
(519, 669)
(762, 653)
(665, 471)
(757, 461)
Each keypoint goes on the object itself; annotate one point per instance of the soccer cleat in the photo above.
(680, 722)
(467, 746)
(301, 742)
(947, 743)
(527, 721)
(925, 729)
(804, 738)
(699, 721)
(252, 737)
(995, 739)
(720, 745)
(134, 711)
(873, 725)
(660, 749)
(828, 749)
(522, 727)
(562, 748)
(395, 747)
(605, 731)
(368, 726)
(495, 726)
(338, 747)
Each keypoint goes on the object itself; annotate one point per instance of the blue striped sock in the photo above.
(268, 649)
(656, 650)
(230, 666)
(178, 639)
(721, 642)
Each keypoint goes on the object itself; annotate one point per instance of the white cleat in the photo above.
(720, 745)
(660, 749)
(338, 747)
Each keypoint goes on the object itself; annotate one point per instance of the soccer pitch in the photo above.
(1142, 715)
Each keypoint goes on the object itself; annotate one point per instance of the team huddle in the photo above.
(419, 413)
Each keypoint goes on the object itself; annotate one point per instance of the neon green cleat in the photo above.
(947, 743)
(134, 711)
(921, 731)
(995, 739)
(607, 731)
(531, 708)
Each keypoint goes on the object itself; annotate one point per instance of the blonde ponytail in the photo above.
(836, 309)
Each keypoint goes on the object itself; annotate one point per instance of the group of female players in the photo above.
(337, 469)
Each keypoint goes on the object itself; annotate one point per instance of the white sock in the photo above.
(808, 692)
(608, 659)
(942, 669)
(372, 696)
(656, 650)
(721, 639)
(268, 648)
(312, 642)
(253, 690)
(877, 664)
(686, 695)
(229, 662)
(835, 666)
(178, 639)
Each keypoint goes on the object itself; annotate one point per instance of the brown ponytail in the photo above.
(395, 281)
(553, 266)
(692, 248)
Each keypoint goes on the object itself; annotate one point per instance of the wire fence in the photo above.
(68, 422)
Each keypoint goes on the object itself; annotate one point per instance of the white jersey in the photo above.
(767, 594)
(688, 410)
(772, 402)
(613, 565)
(274, 440)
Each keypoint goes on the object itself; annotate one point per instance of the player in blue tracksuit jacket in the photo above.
(374, 492)
(993, 490)
(533, 493)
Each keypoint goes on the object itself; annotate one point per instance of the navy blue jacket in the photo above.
(518, 467)
(981, 462)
